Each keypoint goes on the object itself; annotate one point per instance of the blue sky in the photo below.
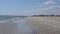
(29, 7)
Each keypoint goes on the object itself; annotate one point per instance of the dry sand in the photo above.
(45, 25)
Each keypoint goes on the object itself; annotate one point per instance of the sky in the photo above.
(29, 7)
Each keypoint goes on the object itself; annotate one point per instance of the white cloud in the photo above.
(51, 9)
(48, 10)
(49, 2)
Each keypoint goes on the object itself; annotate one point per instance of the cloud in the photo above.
(35, 6)
(55, 9)
(49, 2)
(52, 8)
(48, 10)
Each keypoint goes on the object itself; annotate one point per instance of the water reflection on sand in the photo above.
(17, 27)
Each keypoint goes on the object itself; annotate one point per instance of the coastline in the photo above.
(17, 27)
(45, 25)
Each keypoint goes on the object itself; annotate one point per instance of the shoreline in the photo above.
(45, 25)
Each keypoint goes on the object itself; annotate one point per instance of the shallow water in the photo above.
(17, 27)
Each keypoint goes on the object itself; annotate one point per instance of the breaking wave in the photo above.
(9, 20)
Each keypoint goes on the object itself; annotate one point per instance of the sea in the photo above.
(15, 25)
(4, 18)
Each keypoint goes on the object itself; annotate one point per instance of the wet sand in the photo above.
(45, 25)
(7, 28)
(16, 27)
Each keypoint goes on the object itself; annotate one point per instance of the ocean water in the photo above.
(15, 25)
(10, 18)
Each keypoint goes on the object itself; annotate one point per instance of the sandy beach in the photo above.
(16, 27)
(45, 25)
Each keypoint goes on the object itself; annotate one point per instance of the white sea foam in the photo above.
(17, 18)
(9, 20)
(3, 21)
